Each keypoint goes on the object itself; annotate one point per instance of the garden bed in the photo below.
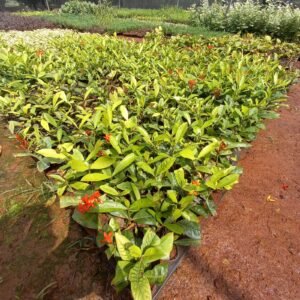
(138, 147)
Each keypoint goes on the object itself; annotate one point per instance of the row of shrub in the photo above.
(276, 19)
(76, 7)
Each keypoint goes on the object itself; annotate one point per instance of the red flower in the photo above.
(192, 83)
(107, 237)
(88, 132)
(107, 137)
(89, 201)
(40, 52)
(284, 186)
(195, 182)
(210, 47)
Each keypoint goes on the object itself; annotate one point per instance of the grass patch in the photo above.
(168, 14)
(124, 22)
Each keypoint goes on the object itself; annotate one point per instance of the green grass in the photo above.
(123, 24)
(168, 14)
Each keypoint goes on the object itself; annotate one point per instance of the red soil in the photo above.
(251, 249)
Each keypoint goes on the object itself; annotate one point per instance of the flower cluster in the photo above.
(89, 201)
(107, 137)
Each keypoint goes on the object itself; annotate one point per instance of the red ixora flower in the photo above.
(107, 237)
(89, 201)
(195, 182)
(210, 47)
(107, 137)
(192, 83)
(23, 143)
(40, 52)
(285, 186)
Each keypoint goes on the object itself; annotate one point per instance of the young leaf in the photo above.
(158, 274)
(182, 129)
(140, 287)
(102, 163)
(95, 177)
(124, 163)
(165, 165)
(109, 190)
(122, 245)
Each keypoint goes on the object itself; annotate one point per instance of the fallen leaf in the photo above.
(271, 199)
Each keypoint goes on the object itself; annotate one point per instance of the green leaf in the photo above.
(191, 229)
(66, 201)
(113, 141)
(208, 149)
(122, 245)
(179, 176)
(122, 274)
(172, 195)
(51, 153)
(107, 207)
(228, 181)
(181, 131)
(42, 165)
(45, 125)
(142, 203)
(176, 228)
(124, 112)
(140, 287)
(145, 167)
(165, 165)
(187, 153)
(162, 251)
(135, 251)
(102, 163)
(156, 88)
(86, 220)
(124, 163)
(78, 165)
(109, 190)
(81, 186)
(150, 239)
(158, 274)
(95, 177)
(145, 134)
(145, 218)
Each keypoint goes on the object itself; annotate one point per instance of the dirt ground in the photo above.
(251, 249)
(44, 255)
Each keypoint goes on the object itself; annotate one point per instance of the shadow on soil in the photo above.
(44, 255)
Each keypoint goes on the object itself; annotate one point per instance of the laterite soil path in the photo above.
(251, 249)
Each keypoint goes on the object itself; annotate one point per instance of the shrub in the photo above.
(77, 7)
(140, 134)
(277, 20)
